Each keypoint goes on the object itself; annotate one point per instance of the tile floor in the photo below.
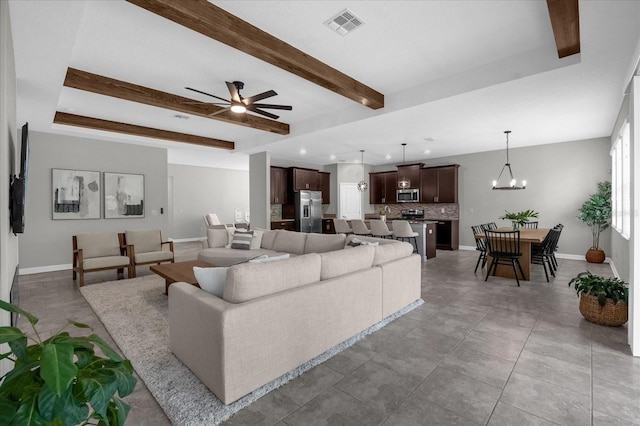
(475, 353)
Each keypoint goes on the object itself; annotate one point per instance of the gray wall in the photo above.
(8, 164)
(195, 191)
(560, 177)
(47, 242)
(260, 189)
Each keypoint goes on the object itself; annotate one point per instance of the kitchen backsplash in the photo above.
(440, 211)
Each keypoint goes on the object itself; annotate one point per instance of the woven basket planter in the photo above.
(611, 314)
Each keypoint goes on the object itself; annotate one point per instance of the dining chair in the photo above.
(530, 225)
(402, 231)
(544, 253)
(481, 246)
(504, 248)
(379, 229)
(342, 226)
(490, 225)
(359, 227)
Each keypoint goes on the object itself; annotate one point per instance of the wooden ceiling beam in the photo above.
(565, 21)
(107, 86)
(131, 129)
(218, 24)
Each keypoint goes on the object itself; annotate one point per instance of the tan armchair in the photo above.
(146, 247)
(99, 251)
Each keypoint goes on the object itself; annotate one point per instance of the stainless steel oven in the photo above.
(408, 195)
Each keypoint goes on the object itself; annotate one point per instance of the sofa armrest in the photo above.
(167, 243)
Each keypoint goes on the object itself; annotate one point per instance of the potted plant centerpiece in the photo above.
(596, 212)
(520, 218)
(60, 380)
(603, 300)
(383, 213)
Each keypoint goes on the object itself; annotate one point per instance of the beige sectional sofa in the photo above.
(275, 316)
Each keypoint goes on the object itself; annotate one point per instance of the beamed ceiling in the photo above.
(120, 64)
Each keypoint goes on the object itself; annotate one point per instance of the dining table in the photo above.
(527, 237)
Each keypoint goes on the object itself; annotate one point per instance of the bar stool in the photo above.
(359, 227)
(402, 231)
(379, 229)
(342, 227)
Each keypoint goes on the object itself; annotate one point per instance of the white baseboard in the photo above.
(49, 268)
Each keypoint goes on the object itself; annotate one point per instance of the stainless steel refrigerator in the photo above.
(308, 205)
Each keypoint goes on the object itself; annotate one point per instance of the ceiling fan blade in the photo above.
(208, 94)
(252, 108)
(219, 112)
(233, 91)
(271, 106)
(259, 97)
(204, 103)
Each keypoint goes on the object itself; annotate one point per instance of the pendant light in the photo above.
(512, 182)
(362, 185)
(404, 183)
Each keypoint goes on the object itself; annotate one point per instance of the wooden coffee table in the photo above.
(179, 272)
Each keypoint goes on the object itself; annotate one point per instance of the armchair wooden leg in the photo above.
(81, 273)
(131, 271)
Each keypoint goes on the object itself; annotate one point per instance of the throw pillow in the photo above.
(264, 258)
(242, 240)
(256, 241)
(356, 242)
(211, 280)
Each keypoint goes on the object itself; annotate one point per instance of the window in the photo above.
(621, 182)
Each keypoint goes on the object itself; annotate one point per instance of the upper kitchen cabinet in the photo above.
(324, 185)
(439, 184)
(411, 172)
(302, 179)
(382, 187)
(278, 185)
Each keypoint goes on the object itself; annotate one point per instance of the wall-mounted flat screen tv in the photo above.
(19, 185)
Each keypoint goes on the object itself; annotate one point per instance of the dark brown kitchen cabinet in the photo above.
(439, 184)
(447, 234)
(382, 187)
(327, 226)
(289, 225)
(302, 179)
(411, 172)
(278, 185)
(324, 185)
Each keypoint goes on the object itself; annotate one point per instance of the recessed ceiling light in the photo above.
(303, 151)
(427, 151)
(332, 157)
(387, 157)
(430, 139)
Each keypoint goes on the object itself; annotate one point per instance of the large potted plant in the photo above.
(60, 380)
(596, 213)
(520, 218)
(603, 300)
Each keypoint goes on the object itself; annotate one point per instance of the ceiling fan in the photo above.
(239, 104)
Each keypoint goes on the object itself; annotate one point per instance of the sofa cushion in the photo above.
(252, 280)
(321, 243)
(268, 238)
(290, 242)
(341, 262)
(266, 258)
(144, 240)
(154, 256)
(387, 252)
(241, 240)
(98, 244)
(217, 237)
(211, 280)
(105, 262)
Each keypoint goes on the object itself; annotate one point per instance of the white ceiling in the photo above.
(455, 75)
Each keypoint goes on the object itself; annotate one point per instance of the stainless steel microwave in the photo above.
(408, 195)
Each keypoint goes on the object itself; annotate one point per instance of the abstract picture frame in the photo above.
(76, 194)
(123, 195)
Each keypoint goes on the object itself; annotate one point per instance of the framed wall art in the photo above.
(75, 194)
(123, 195)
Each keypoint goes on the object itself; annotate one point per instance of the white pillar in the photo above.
(260, 190)
(634, 241)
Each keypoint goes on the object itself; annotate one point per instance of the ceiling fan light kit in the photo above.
(404, 183)
(362, 185)
(512, 182)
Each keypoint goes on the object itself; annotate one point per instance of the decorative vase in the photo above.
(611, 314)
(595, 255)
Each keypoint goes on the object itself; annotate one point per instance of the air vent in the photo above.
(344, 22)
(181, 117)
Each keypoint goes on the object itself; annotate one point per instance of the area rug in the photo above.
(135, 313)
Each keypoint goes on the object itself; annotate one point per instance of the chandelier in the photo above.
(404, 183)
(507, 165)
(362, 185)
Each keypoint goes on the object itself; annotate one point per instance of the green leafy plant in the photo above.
(520, 218)
(601, 287)
(60, 380)
(596, 212)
